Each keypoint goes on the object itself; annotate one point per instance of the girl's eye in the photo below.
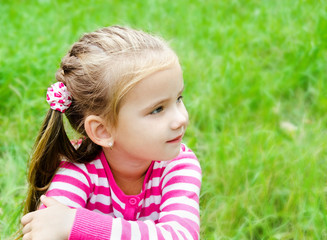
(179, 99)
(157, 110)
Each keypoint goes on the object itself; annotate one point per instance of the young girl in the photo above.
(130, 177)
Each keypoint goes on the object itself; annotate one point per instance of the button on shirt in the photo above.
(133, 201)
(131, 208)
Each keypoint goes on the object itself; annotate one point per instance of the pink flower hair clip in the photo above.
(58, 97)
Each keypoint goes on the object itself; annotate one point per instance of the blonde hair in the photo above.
(99, 70)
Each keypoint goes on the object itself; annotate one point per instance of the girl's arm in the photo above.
(54, 222)
(71, 185)
(68, 190)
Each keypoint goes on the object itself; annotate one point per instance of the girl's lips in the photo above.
(175, 140)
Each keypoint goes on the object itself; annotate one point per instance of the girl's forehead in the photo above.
(161, 84)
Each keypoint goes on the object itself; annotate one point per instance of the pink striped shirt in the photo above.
(166, 208)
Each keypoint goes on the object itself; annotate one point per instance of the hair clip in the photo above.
(58, 97)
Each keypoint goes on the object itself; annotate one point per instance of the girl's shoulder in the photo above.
(90, 170)
(85, 167)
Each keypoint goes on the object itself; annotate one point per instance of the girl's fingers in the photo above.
(48, 201)
(26, 229)
(26, 218)
(27, 236)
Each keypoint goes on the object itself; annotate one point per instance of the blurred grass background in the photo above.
(256, 91)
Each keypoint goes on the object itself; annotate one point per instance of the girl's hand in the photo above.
(53, 222)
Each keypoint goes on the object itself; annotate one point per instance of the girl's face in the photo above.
(152, 118)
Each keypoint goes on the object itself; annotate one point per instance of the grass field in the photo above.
(256, 91)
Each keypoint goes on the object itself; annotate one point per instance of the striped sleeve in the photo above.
(70, 185)
(179, 209)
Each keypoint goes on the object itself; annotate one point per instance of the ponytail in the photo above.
(51, 147)
(51, 143)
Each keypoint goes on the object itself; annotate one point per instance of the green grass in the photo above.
(249, 67)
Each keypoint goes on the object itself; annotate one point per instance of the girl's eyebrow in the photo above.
(161, 101)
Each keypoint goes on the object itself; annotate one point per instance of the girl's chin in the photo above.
(173, 153)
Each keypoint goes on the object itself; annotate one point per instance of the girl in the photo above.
(130, 177)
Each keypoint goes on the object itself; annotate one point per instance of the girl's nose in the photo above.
(180, 118)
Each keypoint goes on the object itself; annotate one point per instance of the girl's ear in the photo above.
(98, 131)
